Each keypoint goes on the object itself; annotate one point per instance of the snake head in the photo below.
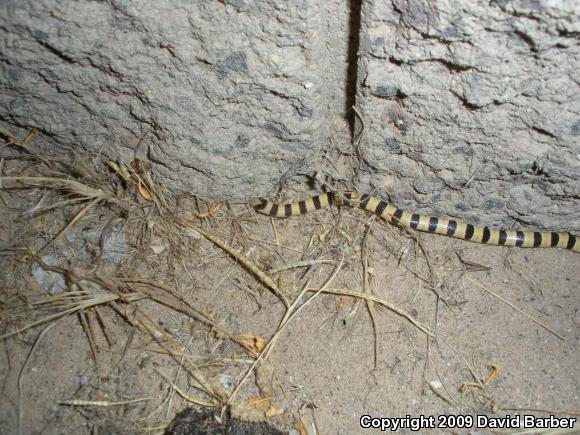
(258, 203)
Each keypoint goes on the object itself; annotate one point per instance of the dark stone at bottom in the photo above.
(192, 422)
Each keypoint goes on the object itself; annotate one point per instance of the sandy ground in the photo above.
(337, 359)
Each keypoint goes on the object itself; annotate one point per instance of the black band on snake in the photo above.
(429, 224)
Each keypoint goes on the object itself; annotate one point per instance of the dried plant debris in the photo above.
(178, 300)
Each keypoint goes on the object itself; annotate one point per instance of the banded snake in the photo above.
(429, 224)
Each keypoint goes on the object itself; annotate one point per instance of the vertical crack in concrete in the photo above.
(354, 29)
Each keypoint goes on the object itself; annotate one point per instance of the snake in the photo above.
(419, 222)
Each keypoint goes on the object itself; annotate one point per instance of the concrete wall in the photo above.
(470, 109)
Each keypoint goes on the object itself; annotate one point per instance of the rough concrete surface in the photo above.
(222, 96)
(472, 109)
